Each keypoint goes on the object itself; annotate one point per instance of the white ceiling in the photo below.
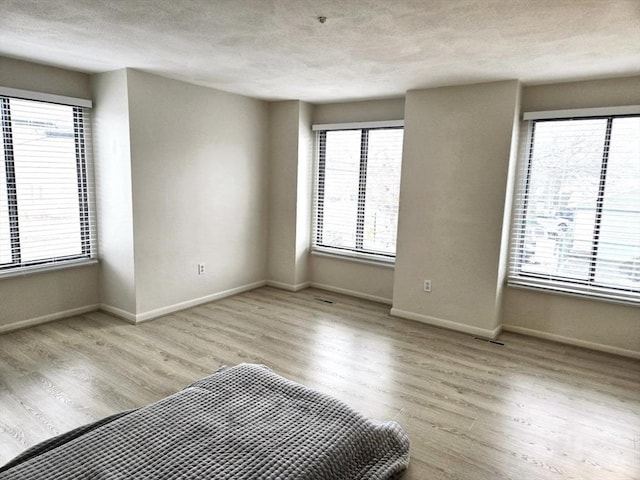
(277, 49)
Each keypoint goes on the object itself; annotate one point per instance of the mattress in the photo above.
(241, 422)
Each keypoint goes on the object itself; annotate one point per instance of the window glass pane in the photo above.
(46, 180)
(5, 242)
(342, 172)
(618, 259)
(563, 190)
(383, 190)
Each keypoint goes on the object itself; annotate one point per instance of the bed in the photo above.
(241, 422)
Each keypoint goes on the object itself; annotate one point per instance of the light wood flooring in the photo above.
(530, 409)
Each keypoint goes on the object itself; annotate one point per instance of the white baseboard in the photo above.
(439, 322)
(118, 312)
(48, 318)
(128, 316)
(287, 286)
(572, 341)
(159, 312)
(351, 293)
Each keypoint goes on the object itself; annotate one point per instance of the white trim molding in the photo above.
(329, 288)
(357, 125)
(32, 322)
(287, 286)
(448, 324)
(47, 267)
(351, 293)
(45, 97)
(118, 312)
(351, 256)
(130, 317)
(582, 112)
(161, 312)
(572, 341)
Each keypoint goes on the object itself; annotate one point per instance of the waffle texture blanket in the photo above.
(243, 422)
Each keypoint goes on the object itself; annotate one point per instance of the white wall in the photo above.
(304, 200)
(181, 177)
(457, 160)
(41, 78)
(290, 169)
(283, 172)
(370, 281)
(187, 174)
(455, 168)
(602, 325)
(199, 166)
(52, 294)
(364, 280)
(589, 94)
(112, 153)
(363, 111)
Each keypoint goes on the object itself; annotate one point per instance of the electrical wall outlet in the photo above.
(201, 269)
(426, 286)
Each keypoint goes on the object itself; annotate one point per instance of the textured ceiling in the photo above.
(277, 49)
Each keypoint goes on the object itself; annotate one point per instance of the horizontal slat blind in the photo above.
(577, 211)
(46, 207)
(357, 190)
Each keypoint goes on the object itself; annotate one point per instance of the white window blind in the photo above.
(46, 208)
(357, 190)
(577, 211)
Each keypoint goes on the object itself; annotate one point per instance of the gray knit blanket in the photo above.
(243, 422)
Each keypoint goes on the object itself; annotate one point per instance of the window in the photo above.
(46, 214)
(357, 189)
(577, 218)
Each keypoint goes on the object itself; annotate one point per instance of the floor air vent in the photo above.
(323, 300)
(488, 340)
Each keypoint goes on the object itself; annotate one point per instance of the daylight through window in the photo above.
(357, 191)
(45, 207)
(577, 222)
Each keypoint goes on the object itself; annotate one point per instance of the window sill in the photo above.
(367, 259)
(26, 271)
(575, 291)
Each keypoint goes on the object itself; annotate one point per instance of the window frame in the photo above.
(555, 283)
(358, 253)
(83, 161)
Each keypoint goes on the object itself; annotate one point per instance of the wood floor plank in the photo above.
(528, 409)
